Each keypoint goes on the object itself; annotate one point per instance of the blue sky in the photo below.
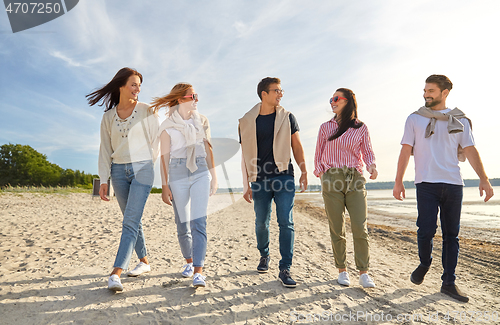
(383, 50)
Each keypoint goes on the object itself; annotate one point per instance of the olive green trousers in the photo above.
(345, 188)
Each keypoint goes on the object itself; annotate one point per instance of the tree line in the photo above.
(24, 166)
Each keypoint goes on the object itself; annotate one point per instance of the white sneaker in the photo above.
(343, 279)
(366, 281)
(139, 269)
(199, 280)
(187, 270)
(114, 283)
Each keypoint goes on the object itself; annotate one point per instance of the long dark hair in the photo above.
(110, 94)
(348, 116)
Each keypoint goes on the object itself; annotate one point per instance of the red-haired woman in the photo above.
(186, 163)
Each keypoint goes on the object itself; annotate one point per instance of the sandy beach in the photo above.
(57, 251)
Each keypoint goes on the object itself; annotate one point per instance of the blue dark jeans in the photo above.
(282, 190)
(447, 199)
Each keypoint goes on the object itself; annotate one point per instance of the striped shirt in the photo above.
(346, 150)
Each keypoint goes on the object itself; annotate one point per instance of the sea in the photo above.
(475, 212)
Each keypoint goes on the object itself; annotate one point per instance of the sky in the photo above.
(381, 49)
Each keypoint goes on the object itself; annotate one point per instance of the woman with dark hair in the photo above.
(343, 144)
(186, 163)
(129, 147)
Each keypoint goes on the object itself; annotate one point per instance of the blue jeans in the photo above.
(282, 190)
(132, 184)
(446, 198)
(190, 193)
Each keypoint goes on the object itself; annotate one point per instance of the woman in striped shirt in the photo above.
(343, 144)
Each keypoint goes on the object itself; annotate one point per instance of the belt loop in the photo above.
(349, 174)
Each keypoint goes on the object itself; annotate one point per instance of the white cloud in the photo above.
(69, 61)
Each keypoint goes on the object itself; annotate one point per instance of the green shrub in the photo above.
(24, 166)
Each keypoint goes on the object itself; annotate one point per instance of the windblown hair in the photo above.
(441, 81)
(264, 85)
(348, 116)
(171, 100)
(109, 95)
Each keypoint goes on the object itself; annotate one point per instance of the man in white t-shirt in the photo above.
(438, 137)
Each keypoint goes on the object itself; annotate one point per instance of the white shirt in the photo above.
(178, 143)
(436, 159)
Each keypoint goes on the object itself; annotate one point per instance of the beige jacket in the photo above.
(140, 142)
(282, 142)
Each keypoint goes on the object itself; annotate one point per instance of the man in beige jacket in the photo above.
(267, 133)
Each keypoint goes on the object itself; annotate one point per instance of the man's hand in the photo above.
(248, 196)
(486, 187)
(298, 154)
(404, 157)
(103, 190)
(303, 182)
(399, 191)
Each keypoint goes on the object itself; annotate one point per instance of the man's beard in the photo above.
(433, 103)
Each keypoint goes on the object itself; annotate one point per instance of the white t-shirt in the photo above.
(436, 159)
(178, 143)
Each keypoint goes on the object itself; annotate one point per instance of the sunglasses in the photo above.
(336, 99)
(192, 96)
(278, 91)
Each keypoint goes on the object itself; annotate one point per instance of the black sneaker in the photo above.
(264, 264)
(286, 279)
(417, 276)
(454, 292)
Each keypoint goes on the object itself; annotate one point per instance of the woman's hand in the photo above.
(373, 172)
(166, 195)
(213, 186)
(103, 191)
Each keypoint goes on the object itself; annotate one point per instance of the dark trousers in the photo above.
(447, 199)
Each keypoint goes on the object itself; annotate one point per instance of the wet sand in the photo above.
(479, 220)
